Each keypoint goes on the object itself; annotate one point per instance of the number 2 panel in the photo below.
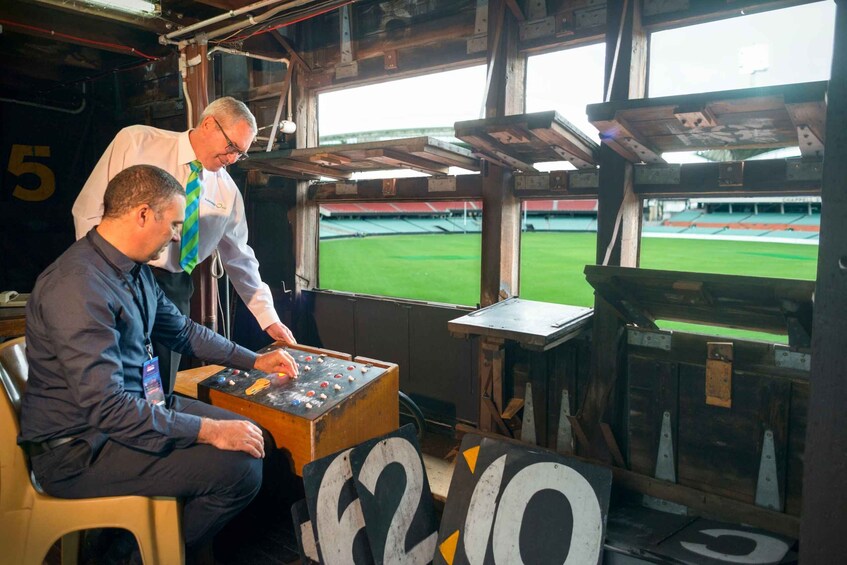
(395, 497)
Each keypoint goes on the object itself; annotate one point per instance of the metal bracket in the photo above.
(785, 358)
(589, 18)
(731, 173)
(641, 151)
(576, 161)
(657, 174)
(479, 41)
(584, 179)
(564, 436)
(441, 184)
(532, 181)
(719, 374)
(591, 15)
(534, 29)
(665, 469)
(536, 9)
(657, 7)
(346, 188)
(767, 487)
(389, 187)
(649, 339)
(347, 67)
(695, 117)
(810, 144)
(347, 71)
(803, 170)
(528, 422)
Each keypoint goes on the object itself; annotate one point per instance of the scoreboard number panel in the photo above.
(396, 500)
(510, 504)
(336, 511)
(305, 533)
(717, 543)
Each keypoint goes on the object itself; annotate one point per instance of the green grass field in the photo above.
(445, 268)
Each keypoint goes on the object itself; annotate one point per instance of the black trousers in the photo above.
(178, 287)
(215, 485)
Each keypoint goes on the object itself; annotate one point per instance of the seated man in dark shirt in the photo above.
(92, 418)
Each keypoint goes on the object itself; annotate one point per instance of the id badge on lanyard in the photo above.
(152, 382)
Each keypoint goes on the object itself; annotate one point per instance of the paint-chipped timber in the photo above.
(725, 416)
(641, 130)
(425, 154)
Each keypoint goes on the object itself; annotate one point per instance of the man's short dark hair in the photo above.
(139, 184)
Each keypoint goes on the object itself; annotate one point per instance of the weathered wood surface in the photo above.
(766, 177)
(537, 326)
(643, 296)
(521, 140)
(458, 187)
(425, 154)
(718, 450)
(705, 504)
(752, 118)
(824, 498)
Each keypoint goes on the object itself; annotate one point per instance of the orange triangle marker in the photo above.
(471, 456)
(448, 547)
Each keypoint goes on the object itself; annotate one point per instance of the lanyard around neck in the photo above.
(140, 301)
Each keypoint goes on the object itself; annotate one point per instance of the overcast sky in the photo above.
(777, 47)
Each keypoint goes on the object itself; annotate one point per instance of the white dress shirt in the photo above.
(222, 221)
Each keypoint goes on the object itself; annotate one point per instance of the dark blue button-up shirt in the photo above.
(85, 346)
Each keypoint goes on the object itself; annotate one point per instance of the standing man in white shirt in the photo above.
(197, 159)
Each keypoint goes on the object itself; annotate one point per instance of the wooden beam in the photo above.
(89, 31)
(495, 68)
(400, 160)
(292, 53)
(306, 219)
(501, 234)
(618, 227)
(824, 514)
(767, 177)
(516, 10)
(467, 187)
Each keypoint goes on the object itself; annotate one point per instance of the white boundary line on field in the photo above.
(753, 238)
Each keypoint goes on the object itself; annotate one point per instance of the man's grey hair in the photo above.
(140, 184)
(229, 111)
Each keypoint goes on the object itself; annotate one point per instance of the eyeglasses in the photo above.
(231, 148)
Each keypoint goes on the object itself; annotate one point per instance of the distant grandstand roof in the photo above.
(448, 207)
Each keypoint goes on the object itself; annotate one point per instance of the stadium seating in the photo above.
(388, 218)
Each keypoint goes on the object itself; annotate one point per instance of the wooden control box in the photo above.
(335, 403)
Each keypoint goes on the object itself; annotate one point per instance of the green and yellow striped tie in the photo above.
(191, 227)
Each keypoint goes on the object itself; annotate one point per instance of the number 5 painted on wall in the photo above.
(18, 166)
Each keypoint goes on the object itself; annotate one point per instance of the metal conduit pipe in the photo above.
(169, 38)
(250, 21)
(77, 110)
(248, 54)
(46, 107)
